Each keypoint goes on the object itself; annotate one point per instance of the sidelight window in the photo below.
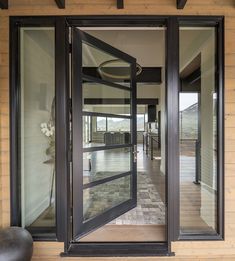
(198, 121)
(37, 128)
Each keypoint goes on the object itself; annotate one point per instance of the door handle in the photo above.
(135, 152)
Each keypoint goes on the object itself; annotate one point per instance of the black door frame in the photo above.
(63, 210)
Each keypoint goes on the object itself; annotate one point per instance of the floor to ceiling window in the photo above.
(37, 127)
(198, 130)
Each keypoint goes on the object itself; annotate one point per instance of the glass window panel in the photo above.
(105, 99)
(189, 116)
(198, 131)
(99, 199)
(100, 64)
(140, 122)
(105, 163)
(118, 132)
(118, 124)
(37, 152)
(101, 124)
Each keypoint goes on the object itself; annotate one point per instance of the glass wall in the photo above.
(37, 128)
(198, 130)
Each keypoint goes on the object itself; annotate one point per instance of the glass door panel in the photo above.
(102, 64)
(104, 127)
(100, 198)
(117, 132)
(106, 98)
(99, 165)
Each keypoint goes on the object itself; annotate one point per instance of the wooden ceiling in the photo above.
(180, 4)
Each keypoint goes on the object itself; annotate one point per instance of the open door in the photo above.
(103, 133)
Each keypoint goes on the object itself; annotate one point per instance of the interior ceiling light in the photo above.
(117, 69)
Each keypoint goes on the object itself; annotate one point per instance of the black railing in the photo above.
(197, 150)
(197, 162)
(154, 140)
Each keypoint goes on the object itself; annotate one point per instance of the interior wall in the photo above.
(184, 250)
(208, 145)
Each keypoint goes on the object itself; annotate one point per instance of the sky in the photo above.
(187, 99)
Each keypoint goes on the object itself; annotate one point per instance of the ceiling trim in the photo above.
(4, 4)
(181, 4)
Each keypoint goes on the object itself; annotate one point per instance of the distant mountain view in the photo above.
(189, 122)
(115, 124)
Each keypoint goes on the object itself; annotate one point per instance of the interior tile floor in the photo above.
(150, 207)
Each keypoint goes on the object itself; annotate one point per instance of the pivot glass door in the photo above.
(103, 133)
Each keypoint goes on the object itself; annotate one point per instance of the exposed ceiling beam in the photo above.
(4, 4)
(120, 4)
(60, 3)
(181, 4)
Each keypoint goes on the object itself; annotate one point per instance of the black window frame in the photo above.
(106, 129)
(63, 210)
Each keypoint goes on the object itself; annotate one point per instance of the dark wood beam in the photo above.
(147, 75)
(181, 4)
(4, 4)
(60, 3)
(112, 101)
(120, 4)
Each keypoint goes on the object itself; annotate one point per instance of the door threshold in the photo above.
(83, 249)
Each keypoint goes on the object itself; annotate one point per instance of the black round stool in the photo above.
(16, 244)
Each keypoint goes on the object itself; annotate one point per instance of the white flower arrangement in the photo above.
(48, 129)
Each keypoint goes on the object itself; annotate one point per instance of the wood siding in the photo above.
(184, 250)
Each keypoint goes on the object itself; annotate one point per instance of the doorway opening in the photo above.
(106, 124)
(115, 140)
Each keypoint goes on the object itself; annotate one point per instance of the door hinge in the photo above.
(70, 48)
